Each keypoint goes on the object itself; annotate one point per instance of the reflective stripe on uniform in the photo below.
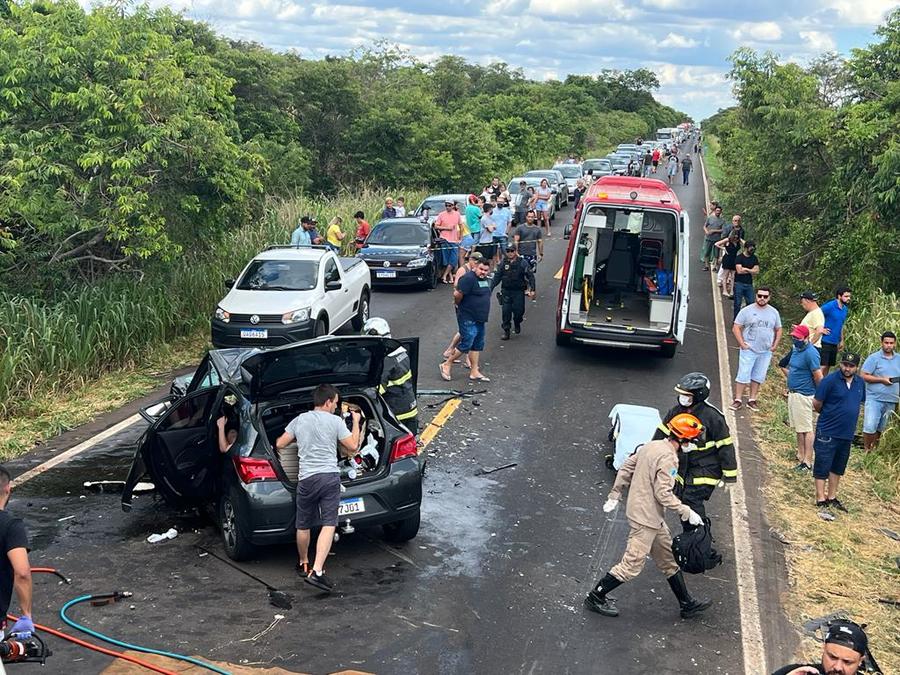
(725, 441)
(702, 480)
(679, 479)
(663, 428)
(400, 380)
(407, 415)
(729, 473)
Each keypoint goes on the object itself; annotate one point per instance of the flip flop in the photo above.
(480, 378)
(444, 376)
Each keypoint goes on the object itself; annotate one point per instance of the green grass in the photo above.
(712, 162)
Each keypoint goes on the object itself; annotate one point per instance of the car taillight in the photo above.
(404, 447)
(250, 469)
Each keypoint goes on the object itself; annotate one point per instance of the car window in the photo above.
(331, 272)
(387, 233)
(191, 412)
(570, 170)
(279, 275)
(205, 376)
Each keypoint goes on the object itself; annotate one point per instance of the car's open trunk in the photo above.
(276, 417)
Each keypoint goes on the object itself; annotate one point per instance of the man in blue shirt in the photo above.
(881, 372)
(835, 313)
(473, 305)
(300, 236)
(838, 398)
(502, 217)
(803, 371)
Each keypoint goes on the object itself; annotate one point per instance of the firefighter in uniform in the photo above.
(649, 475)
(701, 470)
(516, 280)
(396, 384)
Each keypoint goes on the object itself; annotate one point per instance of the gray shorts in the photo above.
(318, 497)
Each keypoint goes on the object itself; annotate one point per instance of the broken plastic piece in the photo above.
(171, 533)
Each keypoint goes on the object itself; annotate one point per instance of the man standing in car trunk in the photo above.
(318, 432)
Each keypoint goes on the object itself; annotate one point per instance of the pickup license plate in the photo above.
(348, 507)
(386, 274)
(254, 333)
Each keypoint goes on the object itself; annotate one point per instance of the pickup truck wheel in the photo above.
(403, 530)
(320, 328)
(362, 312)
(232, 524)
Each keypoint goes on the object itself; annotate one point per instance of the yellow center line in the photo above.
(558, 275)
(435, 425)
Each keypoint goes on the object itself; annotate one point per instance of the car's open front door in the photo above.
(179, 451)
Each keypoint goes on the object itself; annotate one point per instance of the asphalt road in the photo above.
(495, 579)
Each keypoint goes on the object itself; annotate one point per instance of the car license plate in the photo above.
(386, 274)
(348, 507)
(255, 333)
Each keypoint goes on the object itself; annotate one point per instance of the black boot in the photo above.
(689, 606)
(596, 600)
(505, 334)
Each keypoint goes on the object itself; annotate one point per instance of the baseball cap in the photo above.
(801, 332)
(850, 357)
(847, 634)
(808, 295)
(476, 256)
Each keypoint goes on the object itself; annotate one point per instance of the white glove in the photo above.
(693, 518)
(610, 505)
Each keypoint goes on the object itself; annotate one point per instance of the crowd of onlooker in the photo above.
(823, 406)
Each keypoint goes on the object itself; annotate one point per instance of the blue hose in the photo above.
(119, 643)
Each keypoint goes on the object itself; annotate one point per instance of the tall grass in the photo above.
(48, 347)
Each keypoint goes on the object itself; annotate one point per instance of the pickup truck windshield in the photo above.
(400, 234)
(435, 206)
(280, 275)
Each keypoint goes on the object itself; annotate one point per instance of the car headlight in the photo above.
(297, 316)
(417, 262)
(222, 315)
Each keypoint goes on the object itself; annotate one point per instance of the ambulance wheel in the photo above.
(563, 340)
(668, 350)
(611, 435)
(609, 463)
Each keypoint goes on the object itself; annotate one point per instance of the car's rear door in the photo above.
(682, 290)
(178, 451)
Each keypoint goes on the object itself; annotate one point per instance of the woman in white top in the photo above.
(671, 167)
(541, 203)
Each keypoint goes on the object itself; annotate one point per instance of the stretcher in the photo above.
(629, 427)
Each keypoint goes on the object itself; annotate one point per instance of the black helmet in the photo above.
(694, 384)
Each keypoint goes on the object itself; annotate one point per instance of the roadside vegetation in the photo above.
(143, 159)
(810, 158)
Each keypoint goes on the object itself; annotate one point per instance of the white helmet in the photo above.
(376, 326)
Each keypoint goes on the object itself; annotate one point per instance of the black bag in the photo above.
(693, 550)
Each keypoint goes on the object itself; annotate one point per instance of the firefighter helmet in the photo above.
(694, 384)
(685, 427)
(376, 326)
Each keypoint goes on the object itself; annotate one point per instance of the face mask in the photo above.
(799, 344)
(688, 446)
(685, 401)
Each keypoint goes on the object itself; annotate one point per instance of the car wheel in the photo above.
(668, 350)
(233, 524)
(432, 281)
(403, 530)
(362, 312)
(320, 328)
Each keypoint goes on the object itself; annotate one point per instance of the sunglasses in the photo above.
(762, 295)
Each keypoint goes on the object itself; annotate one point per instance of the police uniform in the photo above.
(514, 277)
(649, 474)
(397, 388)
(700, 470)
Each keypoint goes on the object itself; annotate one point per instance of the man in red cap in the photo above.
(802, 368)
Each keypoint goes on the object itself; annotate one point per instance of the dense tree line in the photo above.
(811, 158)
(131, 135)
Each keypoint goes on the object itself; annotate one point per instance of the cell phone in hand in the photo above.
(895, 380)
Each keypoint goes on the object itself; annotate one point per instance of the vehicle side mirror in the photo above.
(334, 285)
(229, 284)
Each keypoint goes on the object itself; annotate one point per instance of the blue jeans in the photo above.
(685, 175)
(471, 335)
(742, 292)
(832, 455)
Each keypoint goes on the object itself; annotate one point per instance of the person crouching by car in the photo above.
(843, 652)
(15, 570)
(317, 433)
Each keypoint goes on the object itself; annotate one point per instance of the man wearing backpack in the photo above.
(649, 474)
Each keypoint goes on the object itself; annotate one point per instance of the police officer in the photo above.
(516, 280)
(701, 470)
(396, 384)
(649, 475)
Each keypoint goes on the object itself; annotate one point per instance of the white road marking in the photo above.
(77, 450)
(752, 643)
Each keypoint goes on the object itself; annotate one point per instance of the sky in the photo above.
(685, 42)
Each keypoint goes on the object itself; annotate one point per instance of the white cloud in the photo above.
(677, 41)
(861, 12)
(818, 41)
(761, 31)
(573, 10)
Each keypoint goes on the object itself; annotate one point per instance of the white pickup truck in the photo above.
(291, 293)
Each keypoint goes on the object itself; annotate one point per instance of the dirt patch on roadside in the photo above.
(120, 667)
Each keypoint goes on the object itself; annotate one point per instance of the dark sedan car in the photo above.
(400, 251)
(259, 392)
